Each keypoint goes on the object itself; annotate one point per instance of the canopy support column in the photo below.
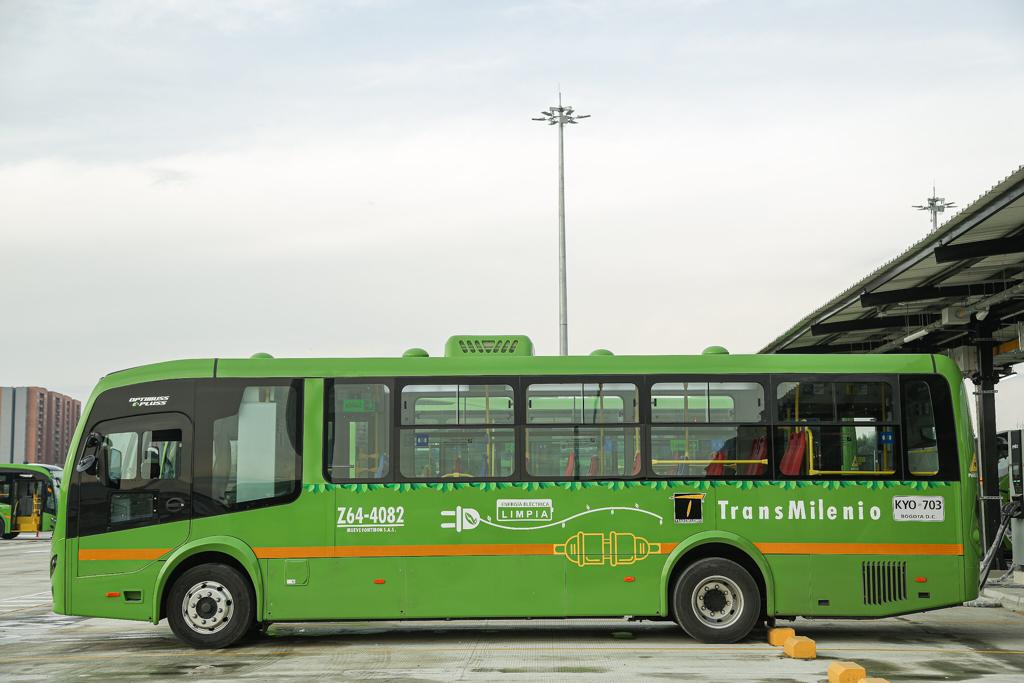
(988, 451)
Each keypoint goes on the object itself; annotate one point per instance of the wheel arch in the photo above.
(718, 544)
(224, 549)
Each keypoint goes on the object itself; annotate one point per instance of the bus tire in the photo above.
(211, 606)
(716, 601)
(258, 630)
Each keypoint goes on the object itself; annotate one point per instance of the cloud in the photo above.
(357, 178)
(169, 176)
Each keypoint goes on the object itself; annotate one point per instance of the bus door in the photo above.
(28, 501)
(133, 502)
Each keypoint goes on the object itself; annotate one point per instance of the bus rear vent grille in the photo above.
(883, 582)
(501, 345)
(488, 345)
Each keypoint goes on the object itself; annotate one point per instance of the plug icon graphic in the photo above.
(465, 519)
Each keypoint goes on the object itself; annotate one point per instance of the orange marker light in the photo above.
(378, 581)
(113, 595)
(921, 579)
(629, 579)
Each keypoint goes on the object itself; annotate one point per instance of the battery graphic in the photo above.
(689, 508)
(614, 548)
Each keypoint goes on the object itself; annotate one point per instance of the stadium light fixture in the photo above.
(935, 206)
(561, 116)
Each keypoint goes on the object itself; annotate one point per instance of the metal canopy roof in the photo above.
(972, 267)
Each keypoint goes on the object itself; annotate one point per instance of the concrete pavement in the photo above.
(959, 644)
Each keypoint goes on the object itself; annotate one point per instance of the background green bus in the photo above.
(717, 490)
(28, 498)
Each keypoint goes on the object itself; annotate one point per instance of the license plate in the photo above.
(918, 508)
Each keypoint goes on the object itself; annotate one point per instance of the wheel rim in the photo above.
(717, 601)
(207, 607)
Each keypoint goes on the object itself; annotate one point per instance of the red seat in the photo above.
(570, 467)
(793, 461)
(595, 467)
(790, 445)
(758, 451)
(716, 469)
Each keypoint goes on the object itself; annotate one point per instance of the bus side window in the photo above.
(834, 430)
(583, 430)
(247, 445)
(703, 429)
(358, 432)
(919, 429)
(50, 504)
(119, 454)
(928, 432)
(457, 432)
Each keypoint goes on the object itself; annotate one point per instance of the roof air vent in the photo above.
(498, 345)
(601, 352)
(715, 351)
(415, 352)
(261, 355)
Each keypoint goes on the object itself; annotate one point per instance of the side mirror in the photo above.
(87, 463)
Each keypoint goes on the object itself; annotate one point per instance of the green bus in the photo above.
(28, 498)
(720, 491)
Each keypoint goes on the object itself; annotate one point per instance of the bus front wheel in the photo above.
(211, 606)
(716, 601)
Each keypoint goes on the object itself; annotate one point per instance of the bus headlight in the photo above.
(53, 565)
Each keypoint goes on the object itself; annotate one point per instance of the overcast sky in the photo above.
(183, 178)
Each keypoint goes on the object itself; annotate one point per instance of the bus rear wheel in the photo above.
(211, 606)
(4, 534)
(716, 601)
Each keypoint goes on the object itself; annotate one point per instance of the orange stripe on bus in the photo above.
(860, 548)
(451, 550)
(123, 553)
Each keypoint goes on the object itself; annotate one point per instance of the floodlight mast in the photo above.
(561, 115)
(935, 206)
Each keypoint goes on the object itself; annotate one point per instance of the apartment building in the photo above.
(36, 425)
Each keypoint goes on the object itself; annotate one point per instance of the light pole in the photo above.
(561, 115)
(935, 206)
